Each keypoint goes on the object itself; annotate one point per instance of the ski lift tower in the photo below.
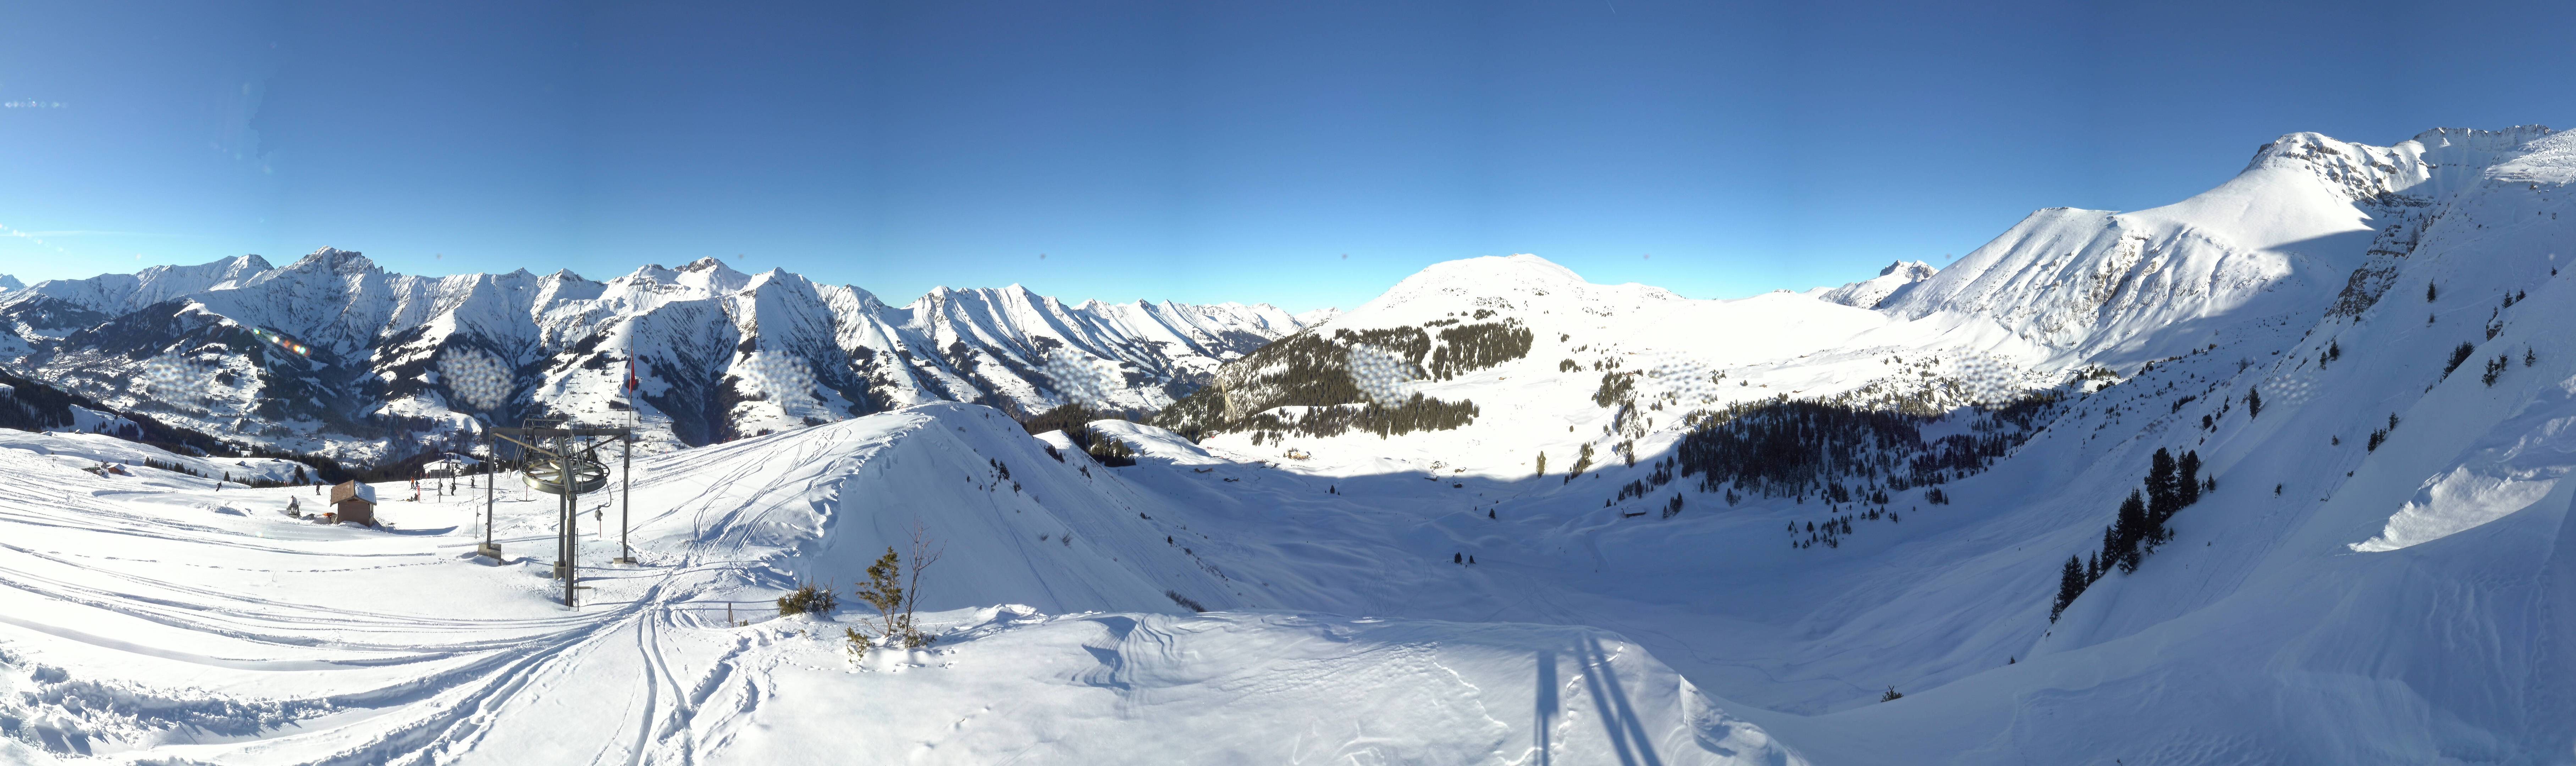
(491, 471)
(560, 466)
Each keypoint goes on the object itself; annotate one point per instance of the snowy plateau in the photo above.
(1498, 515)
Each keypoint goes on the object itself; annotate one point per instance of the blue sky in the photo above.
(1188, 151)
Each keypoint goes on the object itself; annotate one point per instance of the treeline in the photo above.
(1075, 421)
(1066, 418)
(1477, 346)
(1785, 447)
(34, 406)
(1419, 413)
(2139, 526)
(1300, 370)
(300, 479)
(1306, 370)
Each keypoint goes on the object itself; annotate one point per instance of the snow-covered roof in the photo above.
(356, 490)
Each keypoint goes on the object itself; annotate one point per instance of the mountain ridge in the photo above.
(376, 339)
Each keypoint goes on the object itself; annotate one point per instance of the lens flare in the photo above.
(176, 377)
(783, 377)
(476, 378)
(1984, 380)
(1084, 380)
(280, 340)
(1677, 377)
(1382, 375)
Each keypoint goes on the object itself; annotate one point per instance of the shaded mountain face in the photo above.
(332, 355)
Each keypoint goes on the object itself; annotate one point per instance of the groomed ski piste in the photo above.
(2374, 578)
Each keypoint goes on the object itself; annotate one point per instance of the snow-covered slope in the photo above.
(712, 344)
(1785, 509)
(2280, 239)
(2297, 284)
(295, 648)
(1868, 293)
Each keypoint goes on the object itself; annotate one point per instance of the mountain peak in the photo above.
(2430, 165)
(331, 259)
(1486, 274)
(2507, 138)
(1522, 283)
(1894, 280)
(1916, 269)
(245, 265)
(10, 283)
(708, 264)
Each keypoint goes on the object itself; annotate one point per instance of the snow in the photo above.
(2332, 600)
(1869, 293)
(698, 329)
(120, 293)
(1083, 689)
(77, 449)
(1790, 325)
(259, 638)
(2278, 239)
(2517, 466)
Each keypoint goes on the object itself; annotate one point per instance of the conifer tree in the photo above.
(884, 591)
(2190, 476)
(2253, 403)
(2129, 530)
(2164, 493)
(2070, 583)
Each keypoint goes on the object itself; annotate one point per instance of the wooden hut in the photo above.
(352, 501)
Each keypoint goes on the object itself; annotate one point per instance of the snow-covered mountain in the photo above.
(2271, 327)
(711, 343)
(1868, 293)
(1317, 316)
(1498, 515)
(2312, 224)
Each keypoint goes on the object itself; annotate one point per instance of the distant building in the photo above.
(352, 501)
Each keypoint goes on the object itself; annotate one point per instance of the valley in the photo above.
(1499, 514)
